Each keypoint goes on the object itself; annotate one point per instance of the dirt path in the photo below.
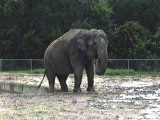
(116, 98)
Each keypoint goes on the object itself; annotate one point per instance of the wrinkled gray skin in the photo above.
(73, 52)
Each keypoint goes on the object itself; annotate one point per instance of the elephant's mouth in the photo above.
(97, 66)
(92, 54)
(95, 57)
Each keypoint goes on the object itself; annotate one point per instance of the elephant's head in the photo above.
(95, 43)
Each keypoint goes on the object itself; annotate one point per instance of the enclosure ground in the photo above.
(116, 98)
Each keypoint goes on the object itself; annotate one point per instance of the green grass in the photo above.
(151, 73)
(37, 71)
(109, 72)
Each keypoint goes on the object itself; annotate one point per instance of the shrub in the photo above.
(130, 41)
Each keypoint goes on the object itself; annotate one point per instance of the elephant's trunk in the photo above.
(101, 66)
(101, 62)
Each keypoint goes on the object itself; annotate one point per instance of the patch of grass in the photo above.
(150, 73)
(119, 72)
(37, 71)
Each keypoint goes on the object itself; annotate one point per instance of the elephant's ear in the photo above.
(81, 43)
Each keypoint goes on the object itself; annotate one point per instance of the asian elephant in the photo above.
(73, 52)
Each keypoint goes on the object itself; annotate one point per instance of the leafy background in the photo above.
(27, 27)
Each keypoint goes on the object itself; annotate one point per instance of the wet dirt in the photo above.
(115, 98)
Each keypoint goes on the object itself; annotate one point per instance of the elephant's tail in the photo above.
(42, 80)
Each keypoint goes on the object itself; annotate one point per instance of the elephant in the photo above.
(72, 53)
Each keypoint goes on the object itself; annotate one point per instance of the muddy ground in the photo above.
(116, 98)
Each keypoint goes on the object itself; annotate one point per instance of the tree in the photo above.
(130, 41)
(146, 12)
(29, 26)
(156, 43)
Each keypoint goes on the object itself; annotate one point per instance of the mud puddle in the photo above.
(116, 98)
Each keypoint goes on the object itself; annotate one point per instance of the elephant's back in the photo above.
(61, 44)
(72, 34)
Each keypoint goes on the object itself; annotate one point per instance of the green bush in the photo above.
(130, 41)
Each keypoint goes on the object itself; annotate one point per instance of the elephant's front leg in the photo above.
(78, 78)
(90, 75)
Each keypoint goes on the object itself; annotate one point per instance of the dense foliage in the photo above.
(27, 27)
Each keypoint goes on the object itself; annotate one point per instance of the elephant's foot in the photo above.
(77, 90)
(91, 89)
(51, 90)
(64, 89)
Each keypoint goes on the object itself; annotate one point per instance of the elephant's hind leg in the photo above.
(51, 79)
(62, 80)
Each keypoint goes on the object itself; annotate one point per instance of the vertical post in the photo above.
(1, 65)
(128, 65)
(31, 64)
